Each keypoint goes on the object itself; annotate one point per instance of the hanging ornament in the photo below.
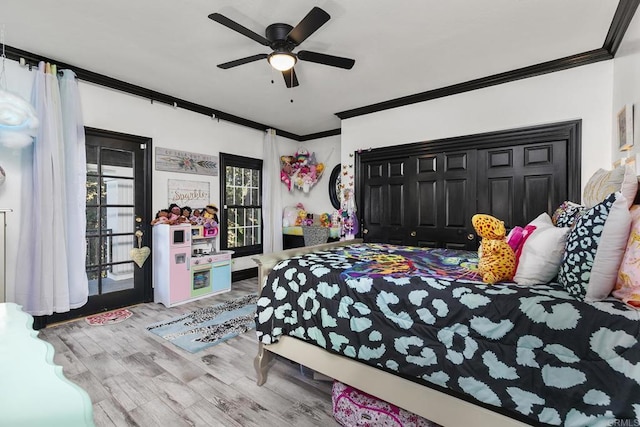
(140, 254)
(18, 121)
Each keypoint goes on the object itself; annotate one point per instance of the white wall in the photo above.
(168, 127)
(626, 84)
(579, 93)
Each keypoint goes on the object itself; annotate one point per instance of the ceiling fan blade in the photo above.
(321, 58)
(315, 19)
(221, 19)
(241, 61)
(290, 78)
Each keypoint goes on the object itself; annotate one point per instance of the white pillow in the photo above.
(611, 248)
(542, 252)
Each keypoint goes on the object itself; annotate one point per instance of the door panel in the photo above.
(500, 198)
(448, 202)
(385, 200)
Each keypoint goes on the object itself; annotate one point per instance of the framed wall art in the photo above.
(625, 127)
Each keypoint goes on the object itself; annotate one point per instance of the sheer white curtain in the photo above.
(51, 261)
(76, 186)
(271, 195)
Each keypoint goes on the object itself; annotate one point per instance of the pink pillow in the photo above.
(514, 239)
(517, 237)
(528, 230)
(627, 288)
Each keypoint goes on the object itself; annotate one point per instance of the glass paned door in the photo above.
(110, 219)
(118, 205)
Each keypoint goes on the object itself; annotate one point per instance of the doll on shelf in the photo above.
(176, 216)
(186, 211)
(174, 212)
(196, 217)
(162, 217)
(211, 212)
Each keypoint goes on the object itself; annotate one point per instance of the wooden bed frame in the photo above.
(429, 403)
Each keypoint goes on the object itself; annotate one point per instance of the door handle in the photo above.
(413, 234)
(365, 231)
(471, 236)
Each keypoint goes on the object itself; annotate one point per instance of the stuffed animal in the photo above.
(325, 219)
(302, 217)
(497, 259)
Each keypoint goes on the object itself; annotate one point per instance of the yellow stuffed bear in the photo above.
(497, 259)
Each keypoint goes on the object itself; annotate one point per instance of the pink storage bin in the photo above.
(352, 407)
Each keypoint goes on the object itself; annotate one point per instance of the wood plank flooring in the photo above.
(135, 378)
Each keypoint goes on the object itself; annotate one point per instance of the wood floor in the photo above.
(135, 378)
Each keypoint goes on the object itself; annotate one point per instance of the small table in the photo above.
(33, 390)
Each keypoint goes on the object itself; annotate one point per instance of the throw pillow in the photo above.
(604, 182)
(541, 253)
(567, 213)
(581, 267)
(627, 288)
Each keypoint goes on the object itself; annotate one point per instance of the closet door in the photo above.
(425, 200)
(442, 200)
(425, 193)
(518, 183)
(385, 213)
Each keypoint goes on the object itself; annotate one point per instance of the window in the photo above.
(241, 192)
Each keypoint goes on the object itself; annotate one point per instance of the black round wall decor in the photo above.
(334, 187)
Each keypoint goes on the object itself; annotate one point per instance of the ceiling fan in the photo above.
(283, 39)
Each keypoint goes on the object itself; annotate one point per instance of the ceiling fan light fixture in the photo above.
(282, 61)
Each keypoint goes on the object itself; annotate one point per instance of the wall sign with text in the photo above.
(188, 193)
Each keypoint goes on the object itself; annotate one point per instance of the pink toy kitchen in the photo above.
(186, 264)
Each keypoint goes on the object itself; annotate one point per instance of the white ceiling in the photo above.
(401, 47)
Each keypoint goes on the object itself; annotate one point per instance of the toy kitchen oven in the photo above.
(187, 266)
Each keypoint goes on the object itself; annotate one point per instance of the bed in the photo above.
(418, 328)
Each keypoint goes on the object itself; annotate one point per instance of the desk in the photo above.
(33, 390)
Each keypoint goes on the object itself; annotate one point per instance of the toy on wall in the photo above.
(300, 171)
(348, 213)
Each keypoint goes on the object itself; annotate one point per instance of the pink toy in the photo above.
(352, 407)
(284, 177)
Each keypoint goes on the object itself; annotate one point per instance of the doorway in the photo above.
(118, 205)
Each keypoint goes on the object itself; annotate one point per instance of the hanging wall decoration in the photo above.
(183, 161)
(140, 254)
(300, 171)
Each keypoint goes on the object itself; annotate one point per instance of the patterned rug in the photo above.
(210, 325)
(108, 318)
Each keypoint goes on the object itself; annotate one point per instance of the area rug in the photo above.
(209, 326)
(108, 318)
